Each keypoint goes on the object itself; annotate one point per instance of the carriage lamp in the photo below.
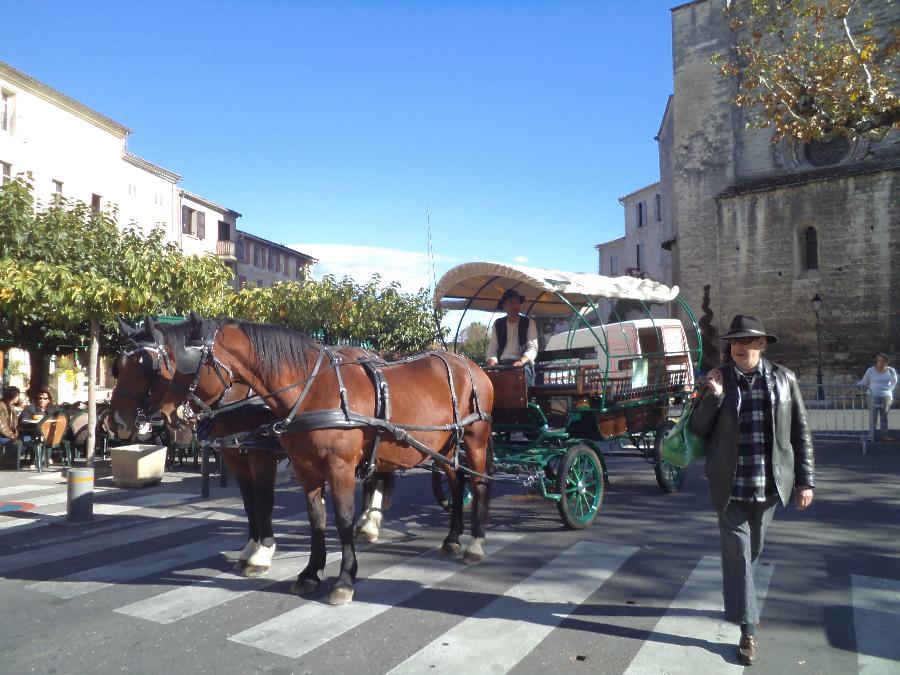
(816, 303)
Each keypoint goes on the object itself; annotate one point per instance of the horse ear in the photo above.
(126, 328)
(194, 318)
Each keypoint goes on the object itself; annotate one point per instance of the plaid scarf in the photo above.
(753, 477)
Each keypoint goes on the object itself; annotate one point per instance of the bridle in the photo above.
(191, 360)
(159, 358)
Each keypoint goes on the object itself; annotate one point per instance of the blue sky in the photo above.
(516, 125)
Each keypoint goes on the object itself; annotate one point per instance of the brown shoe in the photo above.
(747, 651)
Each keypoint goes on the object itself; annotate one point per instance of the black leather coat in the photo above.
(716, 418)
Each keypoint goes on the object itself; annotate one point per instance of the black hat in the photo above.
(510, 293)
(744, 325)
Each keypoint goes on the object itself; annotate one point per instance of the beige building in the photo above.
(260, 262)
(763, 228)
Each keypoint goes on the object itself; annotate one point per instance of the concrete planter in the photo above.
(138, 465)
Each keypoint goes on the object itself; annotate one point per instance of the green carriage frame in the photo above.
(584, 395)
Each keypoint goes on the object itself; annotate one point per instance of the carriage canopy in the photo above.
(547, 292)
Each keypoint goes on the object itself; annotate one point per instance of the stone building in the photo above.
(763, 228)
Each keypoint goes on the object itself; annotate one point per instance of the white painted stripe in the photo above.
(497, 637)
(94, 579)
(681, 639)
(180, 603)
(138, 531)
(876, 617)
(20, 489)
(25, 523)
(49, 474)
(321, 623)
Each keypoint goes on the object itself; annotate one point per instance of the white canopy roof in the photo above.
(483, 283)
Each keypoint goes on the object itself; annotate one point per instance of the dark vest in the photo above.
(500, 330)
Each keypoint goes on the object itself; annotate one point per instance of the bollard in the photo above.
(223, 470)
(80, 495)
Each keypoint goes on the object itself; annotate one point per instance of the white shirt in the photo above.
(879, 384)
(513, 350)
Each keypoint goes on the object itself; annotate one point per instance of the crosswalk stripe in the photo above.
(21, 489)
(94, 579)
(180, 603)
(119, 537)
(876, 618)
(681, 639)
(501, 634)
(322, 623)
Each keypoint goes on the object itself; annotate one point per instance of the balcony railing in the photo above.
(229, 249)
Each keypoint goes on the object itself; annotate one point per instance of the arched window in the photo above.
(811, 247)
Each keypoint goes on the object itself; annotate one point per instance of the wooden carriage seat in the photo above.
(510, 395)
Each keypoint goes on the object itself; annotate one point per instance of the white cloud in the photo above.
(520, 259)
(408, 268)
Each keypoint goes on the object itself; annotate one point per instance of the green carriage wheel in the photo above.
(579, 481)
(440, 487)
(668, 476)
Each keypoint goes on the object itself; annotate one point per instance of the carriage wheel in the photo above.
(668, 476)
(441, 490)
(580, 483)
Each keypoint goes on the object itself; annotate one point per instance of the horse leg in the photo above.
(239, 467)
(376, 498)
(343, 492)
(456, 486)
(308, 580)
(262, 467)
(480, 501)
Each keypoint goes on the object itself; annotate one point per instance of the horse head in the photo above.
(142, 373)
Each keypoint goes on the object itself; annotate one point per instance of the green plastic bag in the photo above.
(682, 446)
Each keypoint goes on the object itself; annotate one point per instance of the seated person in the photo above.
(8, 420)
(513, 338)
(33, 414)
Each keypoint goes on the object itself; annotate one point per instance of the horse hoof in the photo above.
(239, 567)
(451, 548)
(340, 596)
(255, 570)
(475, 552)
(364, 537)
(304, 587)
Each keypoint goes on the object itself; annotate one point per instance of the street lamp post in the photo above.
(817, 307)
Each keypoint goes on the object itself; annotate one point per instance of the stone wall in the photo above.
(740, 204)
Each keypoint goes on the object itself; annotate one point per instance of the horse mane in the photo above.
(175, 334)
(273, 345)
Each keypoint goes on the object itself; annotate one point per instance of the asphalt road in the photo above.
(146, 589)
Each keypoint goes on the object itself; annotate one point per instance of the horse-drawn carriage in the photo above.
(594, 382)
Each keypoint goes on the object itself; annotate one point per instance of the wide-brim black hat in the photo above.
(507, 294)
(744, 325)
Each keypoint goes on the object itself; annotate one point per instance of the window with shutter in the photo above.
(201, 225)
(185, 219)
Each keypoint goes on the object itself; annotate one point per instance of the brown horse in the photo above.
(335, 418)
(143, 373)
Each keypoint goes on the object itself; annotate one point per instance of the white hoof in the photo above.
(248, 550)
(475, 552)
(262, 556)
(368, 528)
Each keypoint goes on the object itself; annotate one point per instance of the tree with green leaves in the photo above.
(473, 341)
(810, 69)
(67, 271)
(391, 321)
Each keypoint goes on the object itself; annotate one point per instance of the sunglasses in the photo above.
(43, 398)
(742, 340)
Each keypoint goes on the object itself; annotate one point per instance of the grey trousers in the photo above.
(742, 531)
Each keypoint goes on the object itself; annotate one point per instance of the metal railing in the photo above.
(838, 411)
